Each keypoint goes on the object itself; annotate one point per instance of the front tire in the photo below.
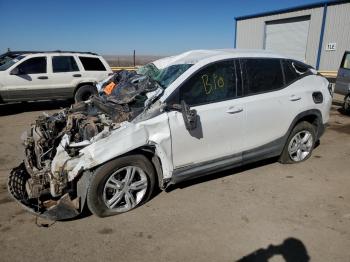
(300, 144)
(121, 185)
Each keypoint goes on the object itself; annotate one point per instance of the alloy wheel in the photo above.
(300, 145)
(125, 188)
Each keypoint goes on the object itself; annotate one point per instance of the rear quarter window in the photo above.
(293, 70)
(92, 64)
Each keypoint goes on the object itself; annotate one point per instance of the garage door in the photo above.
(288, 37)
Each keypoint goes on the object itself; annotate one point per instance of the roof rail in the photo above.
(55, 51)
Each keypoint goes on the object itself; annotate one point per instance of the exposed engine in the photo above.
(41, 183)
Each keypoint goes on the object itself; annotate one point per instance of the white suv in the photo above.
(51, 75)
(174, 119)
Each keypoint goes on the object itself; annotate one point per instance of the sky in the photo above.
(151, 27)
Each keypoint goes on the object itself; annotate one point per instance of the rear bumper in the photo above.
(52, 209)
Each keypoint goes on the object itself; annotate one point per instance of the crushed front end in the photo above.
(52, 148)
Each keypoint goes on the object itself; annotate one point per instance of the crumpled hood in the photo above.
(126, 87)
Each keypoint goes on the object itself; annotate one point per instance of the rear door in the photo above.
(270, 108)
(64, 75)
(30, 81)
(342, 85)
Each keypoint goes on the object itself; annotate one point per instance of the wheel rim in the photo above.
(125, 188)
(300, 145)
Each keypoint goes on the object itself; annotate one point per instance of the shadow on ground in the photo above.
(292, 250)
(17, 108)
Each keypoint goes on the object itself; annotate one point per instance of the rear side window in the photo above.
(64, 64)
(214, 83)
(293, 70)
(262, 75)
(36, 65)
(92, 64)
(346, 61)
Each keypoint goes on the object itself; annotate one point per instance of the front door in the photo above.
(212, 92)
(27, 81)
(65, 74)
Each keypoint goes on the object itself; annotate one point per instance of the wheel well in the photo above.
(150, 154)
(313, 118)
(82, 84)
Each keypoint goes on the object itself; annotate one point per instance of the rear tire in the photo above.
(300, 144)
(84, 92)
(112, 191)
(346, 104)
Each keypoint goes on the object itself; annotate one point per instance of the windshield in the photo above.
(164, 76)
(10, 63)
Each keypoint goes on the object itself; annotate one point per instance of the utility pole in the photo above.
(134, 59)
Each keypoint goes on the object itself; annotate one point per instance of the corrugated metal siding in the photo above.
(251, 32)
(337, 30)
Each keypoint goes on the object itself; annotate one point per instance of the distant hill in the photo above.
(127, 60)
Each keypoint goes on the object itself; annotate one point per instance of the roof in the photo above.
(195, 56)
(292, 9)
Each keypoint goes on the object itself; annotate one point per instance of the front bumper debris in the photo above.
(58, 209)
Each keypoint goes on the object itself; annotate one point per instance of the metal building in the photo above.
(317, 34)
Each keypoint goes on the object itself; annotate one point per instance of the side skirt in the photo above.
(269, 150)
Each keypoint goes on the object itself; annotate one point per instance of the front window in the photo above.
(36, 65)
(10, 63)
(164, 76)
(214, 83)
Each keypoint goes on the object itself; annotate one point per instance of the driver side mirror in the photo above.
(16, 71)
(189, 115)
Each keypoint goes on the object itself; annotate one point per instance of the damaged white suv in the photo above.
(177, 118)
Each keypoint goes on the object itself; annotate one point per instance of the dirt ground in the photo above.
(265, 210)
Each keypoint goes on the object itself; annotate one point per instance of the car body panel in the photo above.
(342, 85)
(205, 142)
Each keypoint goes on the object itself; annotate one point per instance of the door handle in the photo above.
(234, 110)
(77, 75)
(43, 77)
(294, 98)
